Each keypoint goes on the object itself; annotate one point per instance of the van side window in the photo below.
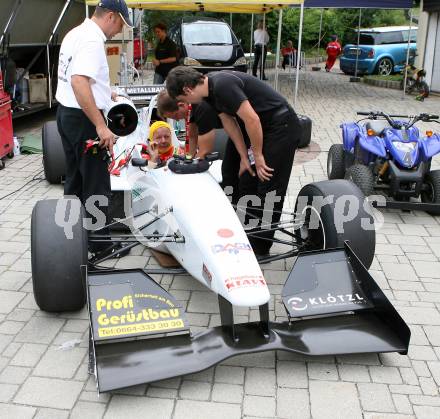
(391, 38)
(413, 37)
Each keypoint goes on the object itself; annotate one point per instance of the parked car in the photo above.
(208, 45)
(381, 50)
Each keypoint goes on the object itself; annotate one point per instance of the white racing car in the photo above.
(138, 331)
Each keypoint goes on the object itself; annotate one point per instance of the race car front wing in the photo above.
(139, 334)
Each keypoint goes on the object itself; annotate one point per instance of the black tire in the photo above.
(330, 231)
(432, 195)
(10, 155)
(306, 131)
(221, 138)
(336, 162)
(56, 259)
(362, 177)
(54, 160)
(385, 67)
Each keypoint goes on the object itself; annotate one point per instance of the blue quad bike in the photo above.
(392, 156)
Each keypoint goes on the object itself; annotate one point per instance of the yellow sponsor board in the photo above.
(132, 329)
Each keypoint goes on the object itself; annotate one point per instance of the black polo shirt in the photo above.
(165, 49)
(205, 117)
(229, 89)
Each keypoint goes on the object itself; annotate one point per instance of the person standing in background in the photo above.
(287, 52)
(333, 50)
(261, 39)
(165, 54)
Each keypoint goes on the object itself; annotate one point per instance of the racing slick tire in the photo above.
(362, 177)
(333, 211)
(432, 195)
(306, 131)
(54, 160)
(57, 255)
(336, 162)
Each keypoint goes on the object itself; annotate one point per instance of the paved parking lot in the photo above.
(43, 362)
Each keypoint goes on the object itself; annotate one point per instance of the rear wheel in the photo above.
(332, 212)
(336, 162)
(385, 67)
(432, 194)
(54, 160)
(57, 253)
(362, 177)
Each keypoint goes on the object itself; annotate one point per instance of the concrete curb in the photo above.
(390, 84)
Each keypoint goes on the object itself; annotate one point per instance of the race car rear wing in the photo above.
(140, 95)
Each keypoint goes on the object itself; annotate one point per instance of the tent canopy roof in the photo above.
(221, 6)
(359, 4)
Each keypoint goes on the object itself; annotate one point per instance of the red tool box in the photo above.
(6, 132)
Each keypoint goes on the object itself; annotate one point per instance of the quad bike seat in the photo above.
(377, 126)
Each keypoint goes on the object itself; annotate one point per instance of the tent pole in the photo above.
(320, 30)
(277, 59)
(230, 20)
(262, 70)
(356, 78)
(250, 46)
(87, 9)
(298, 57)
(141, 45)
(407, 53)
(49, 82)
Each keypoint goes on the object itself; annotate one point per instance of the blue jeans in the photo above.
(158, 79)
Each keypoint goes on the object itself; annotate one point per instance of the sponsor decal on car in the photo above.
(245, 281)
(207, 276)
(135, 314)
(231, 248)
(300, 304)
(225, 233)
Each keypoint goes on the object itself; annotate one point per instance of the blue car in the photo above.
(381, 50)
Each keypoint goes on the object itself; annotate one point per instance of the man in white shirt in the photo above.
(261, 38)
(83, 93)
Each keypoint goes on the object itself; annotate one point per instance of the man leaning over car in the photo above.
(270, 122)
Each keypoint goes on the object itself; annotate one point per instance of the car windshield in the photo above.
(206, 33)
(366, 38)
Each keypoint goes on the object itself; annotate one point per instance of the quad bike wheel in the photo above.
(432, 195)
(332, 212)
(362, 177)
(54, 160)
(336, 162)
(57, 257)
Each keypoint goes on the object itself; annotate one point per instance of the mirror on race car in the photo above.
(215, 155)
(138, 162)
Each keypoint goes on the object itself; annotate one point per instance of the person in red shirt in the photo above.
(287, 53)
(333, 50)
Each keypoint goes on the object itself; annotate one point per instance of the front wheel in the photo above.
(336, 162)
(432, 194)
(58, 250)
(362, 177)
(333, 211)
(385, 67)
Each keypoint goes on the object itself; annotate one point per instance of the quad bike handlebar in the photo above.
(412, 119)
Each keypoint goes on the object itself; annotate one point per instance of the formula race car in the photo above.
(138, 331)
(389, 155)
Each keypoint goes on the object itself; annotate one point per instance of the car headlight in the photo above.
(241, 61)
(405, 147)
(190, 61)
